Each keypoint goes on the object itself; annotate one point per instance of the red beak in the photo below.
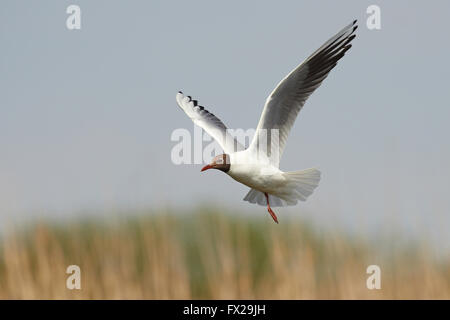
(206, 167)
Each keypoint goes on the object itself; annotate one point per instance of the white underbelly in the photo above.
(261, 178)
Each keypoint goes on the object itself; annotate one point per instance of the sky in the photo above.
(86, 116)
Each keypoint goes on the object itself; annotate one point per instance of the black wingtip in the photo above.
(355, 21)
(180, 92)
(346, 48)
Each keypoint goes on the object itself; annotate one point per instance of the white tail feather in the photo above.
(299, 186)
(257, 197)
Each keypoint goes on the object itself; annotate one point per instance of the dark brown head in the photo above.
(221, 162)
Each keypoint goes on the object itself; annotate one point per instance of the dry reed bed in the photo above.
(211, 256)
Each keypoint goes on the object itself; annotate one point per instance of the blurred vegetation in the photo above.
(211, 254)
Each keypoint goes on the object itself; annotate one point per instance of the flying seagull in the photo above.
(258, 166)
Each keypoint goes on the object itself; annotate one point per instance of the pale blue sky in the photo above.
(86, 116)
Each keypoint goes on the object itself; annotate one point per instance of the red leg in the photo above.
(273, 215)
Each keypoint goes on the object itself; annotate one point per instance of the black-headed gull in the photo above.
(258, 165)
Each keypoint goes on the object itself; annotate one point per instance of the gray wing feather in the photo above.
(287, 99)
(209, 122)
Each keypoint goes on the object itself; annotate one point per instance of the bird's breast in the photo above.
(262, 178)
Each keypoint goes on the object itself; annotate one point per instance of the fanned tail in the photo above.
(257, 197)
(303, 182)
(300, 185)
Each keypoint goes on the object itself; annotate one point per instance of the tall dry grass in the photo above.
(211, 255)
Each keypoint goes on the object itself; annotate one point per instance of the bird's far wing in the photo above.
(209, 122)
(287, 99)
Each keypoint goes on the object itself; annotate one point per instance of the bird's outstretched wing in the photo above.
(287, 99)
(209, 122)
